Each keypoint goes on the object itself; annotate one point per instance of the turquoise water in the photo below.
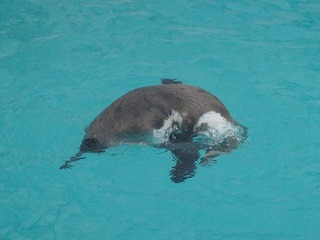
(63, 62)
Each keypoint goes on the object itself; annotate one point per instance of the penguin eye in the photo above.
(173, 137)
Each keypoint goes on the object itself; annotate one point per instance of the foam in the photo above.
(213, 128)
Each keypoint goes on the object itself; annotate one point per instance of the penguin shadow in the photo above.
(186, 164)
(187, 158)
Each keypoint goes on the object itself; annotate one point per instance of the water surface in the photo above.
(62, 63)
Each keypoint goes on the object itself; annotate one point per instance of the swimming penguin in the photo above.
(181, 118)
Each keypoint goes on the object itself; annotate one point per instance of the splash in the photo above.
(211, 136)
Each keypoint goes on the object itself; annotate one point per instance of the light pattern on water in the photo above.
(63, 62)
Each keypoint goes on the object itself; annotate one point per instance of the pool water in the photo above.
(63, 62)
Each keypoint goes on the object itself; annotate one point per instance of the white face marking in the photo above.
(175, 117)
(215, 122)
(163, 133)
